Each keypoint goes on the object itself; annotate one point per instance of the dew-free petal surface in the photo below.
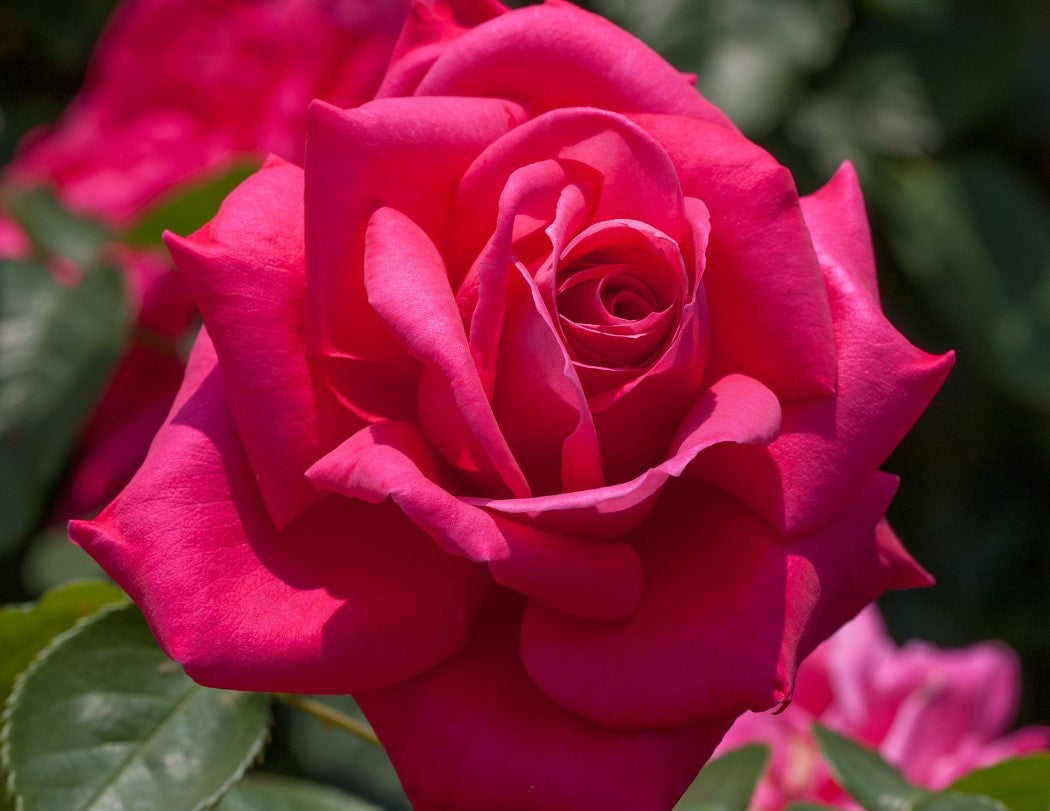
(350, 596)
(476, 734)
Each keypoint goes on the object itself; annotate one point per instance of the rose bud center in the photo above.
(619, 294)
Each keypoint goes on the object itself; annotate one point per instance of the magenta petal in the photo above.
(623, 168)
(429, 28)
(475, 734)
(828, 446)
(768, 304)
(580, 577)
(526, 56)
(408, 287)
(736, 409)
(715, 574)
(838, 222)
(484, 240)
(350, 596)
(245, 270)
(408, 154)
(553, 437)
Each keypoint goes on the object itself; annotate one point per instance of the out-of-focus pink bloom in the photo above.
(13, 243)
(177, 88)
(935, 714)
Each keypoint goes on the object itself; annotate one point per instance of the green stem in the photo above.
(327, 715)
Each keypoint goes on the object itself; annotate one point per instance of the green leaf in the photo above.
(188, 207)
(726, 784)
(1021, 784)
(58, 344)
(869, 779)
(953, 801)
(103, 720)
(265, 792)
(53, 229)
(25, 630)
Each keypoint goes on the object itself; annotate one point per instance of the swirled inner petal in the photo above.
(408, 287)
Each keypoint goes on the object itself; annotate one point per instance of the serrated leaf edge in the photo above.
(56, 641)
(16, 689)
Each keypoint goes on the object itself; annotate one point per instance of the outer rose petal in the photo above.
(525, 56)
(828, 446)
(430, 26)
(572, 575)
(715, 574)
(838, 223)
(475, 734)
(769, 310)
(351, 596)
(408, 154)
(245, 269)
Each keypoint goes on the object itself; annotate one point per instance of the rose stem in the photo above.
(327, 715)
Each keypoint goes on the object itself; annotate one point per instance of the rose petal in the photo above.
(715, 574)
(427, 31)
(408, 154)
(579, 577)
(554, 437)
(601, 151)
(525, 56)
(476, 734)
(245, 270)
(828, 446)
(763, 280)
(408, 288)
(736, 409)
(838, 222)
(483, 292)
(350, 596)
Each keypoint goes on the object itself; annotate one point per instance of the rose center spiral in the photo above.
(619, 294)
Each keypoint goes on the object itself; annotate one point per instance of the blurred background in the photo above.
(943, 106)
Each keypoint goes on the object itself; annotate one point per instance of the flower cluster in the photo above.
(935, 714)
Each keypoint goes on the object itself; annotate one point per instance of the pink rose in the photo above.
(538, 412)
(935, 714)
(176, 88)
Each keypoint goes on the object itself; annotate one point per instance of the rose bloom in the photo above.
(935, 714)
(177, 88)
(538, 412)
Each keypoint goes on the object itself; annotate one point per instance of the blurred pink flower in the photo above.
(176, 89)
(935, 714)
